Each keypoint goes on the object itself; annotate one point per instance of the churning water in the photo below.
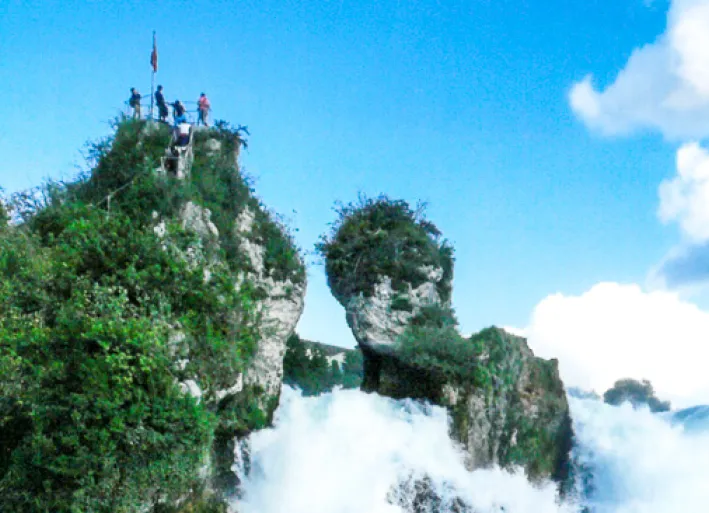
(350, 452)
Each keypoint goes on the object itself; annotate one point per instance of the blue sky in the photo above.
(464, 105)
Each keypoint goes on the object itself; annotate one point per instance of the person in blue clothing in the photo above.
(178, 112)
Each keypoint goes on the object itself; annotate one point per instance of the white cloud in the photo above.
(615, 331)
(664, 85)
(685, 198)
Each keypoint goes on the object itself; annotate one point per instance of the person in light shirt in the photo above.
(203, 106)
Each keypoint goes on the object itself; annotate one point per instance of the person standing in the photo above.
(134, 102)
(179, 112)
(162, 106)
(203, 106)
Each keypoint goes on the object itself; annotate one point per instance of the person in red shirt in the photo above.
(203, 106)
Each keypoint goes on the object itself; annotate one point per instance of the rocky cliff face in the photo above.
(148, 311)
(377, 322)
(252, 395)
(520, 417)
(280, 311)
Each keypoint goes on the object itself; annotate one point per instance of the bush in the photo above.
(440, 351)
(92, 419)
(637, 393)
(432, 342)
(377, 238)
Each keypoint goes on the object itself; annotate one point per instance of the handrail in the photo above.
(110, 195)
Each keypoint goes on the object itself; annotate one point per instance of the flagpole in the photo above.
(152, 84)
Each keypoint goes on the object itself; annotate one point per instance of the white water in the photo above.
(349, 452)
(643, 462)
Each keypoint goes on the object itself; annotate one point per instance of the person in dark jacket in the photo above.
(134, 102)
(162, 106)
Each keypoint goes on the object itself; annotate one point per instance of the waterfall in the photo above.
(351, 452)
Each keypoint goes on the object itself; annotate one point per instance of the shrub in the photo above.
(93, 420)
(441, 351)
(377, 238)
(432, 343)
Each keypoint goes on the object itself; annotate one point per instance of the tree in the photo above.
(4, 216)
(637, 393)
(353, 369)
(306, 366)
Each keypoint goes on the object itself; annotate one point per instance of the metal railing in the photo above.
(192, 114)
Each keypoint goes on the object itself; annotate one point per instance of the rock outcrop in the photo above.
(280, 311)
(519, 417)
(389, 270)
(515, 414)
(146, 312)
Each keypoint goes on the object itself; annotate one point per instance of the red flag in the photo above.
(154, 55)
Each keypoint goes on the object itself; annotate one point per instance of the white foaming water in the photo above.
(643, 462)
(349, 452)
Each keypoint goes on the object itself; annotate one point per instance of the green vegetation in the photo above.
(637, 393)
(432, 343)
(95, 312)
(4, 217)
(306, 366)
(377, 238)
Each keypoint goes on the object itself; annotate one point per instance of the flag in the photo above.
(154, 55)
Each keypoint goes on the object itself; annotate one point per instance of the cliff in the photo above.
(144, 324)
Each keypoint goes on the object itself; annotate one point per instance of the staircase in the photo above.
(178, 159)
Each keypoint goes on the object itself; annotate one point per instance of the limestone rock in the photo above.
(515, 415)
(521, 417)
(280, 311)
(198, 220)
(376, 323)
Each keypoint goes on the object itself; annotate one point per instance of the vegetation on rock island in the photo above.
(101, 318)
(381, 237)
(637, 393)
